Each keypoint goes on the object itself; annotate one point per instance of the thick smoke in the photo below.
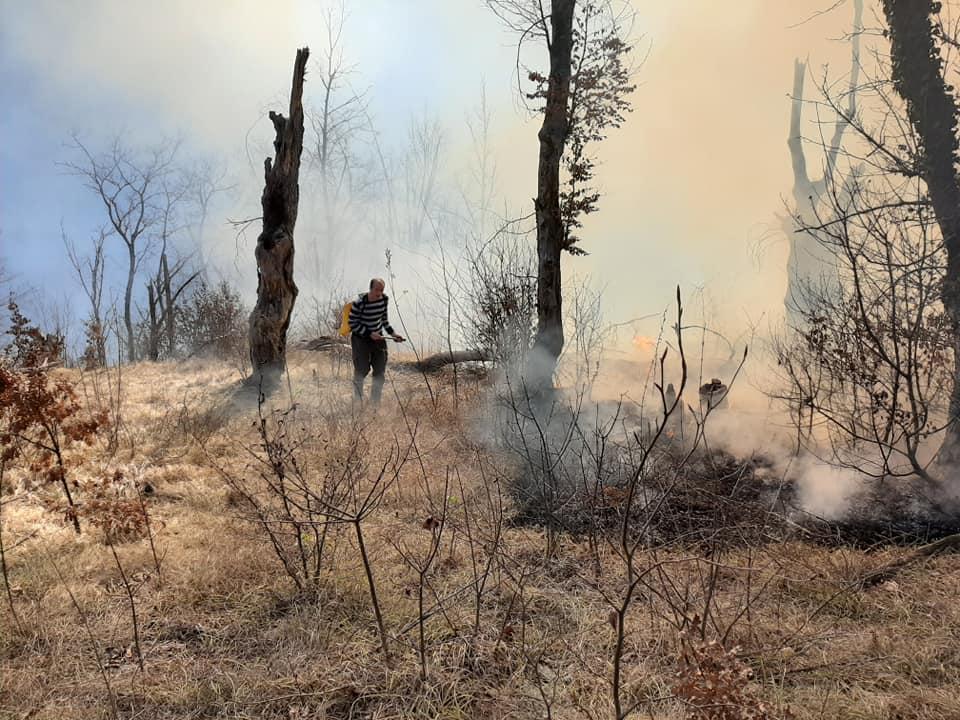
(692, 183)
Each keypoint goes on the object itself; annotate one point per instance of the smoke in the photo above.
(667, 215)
(825, 490)
(690, 184)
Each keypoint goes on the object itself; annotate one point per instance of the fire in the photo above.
(644, 344)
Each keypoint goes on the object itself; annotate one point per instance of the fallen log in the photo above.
(325, 342)
(882, 574)
(434, 363)
(430, 363)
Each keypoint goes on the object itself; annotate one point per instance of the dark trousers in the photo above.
(368, 354)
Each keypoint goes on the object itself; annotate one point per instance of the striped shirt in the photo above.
(369, 316)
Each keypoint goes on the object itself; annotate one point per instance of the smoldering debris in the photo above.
(880, 513)
(869, 533)
(717, 500)
(714, 499)
(572, 467)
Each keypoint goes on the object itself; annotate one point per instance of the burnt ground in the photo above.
(718, 500)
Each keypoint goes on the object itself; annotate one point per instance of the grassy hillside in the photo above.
(772, 627)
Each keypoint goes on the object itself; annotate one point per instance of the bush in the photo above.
(40, 415)
(503, 315)
(867, 372)
(213, 323)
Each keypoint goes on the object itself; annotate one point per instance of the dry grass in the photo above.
(225, 636)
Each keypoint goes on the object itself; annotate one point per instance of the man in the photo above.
(368, 321)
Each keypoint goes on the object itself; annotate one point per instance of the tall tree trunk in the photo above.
(276, 291)
(809, 262)
(153, 346)
(99, 341)
(329, 240)
(932, 109)
(96, 293)
(168, 304)
(804, 195)
(128, 304)
(553, 135)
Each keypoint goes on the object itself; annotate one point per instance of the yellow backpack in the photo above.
(345, 320)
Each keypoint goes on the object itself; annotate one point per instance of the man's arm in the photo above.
(388, 327)
(386, 320)
(355, 320)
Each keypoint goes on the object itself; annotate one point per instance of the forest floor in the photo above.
(481, 616)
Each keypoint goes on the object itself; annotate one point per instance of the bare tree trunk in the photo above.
(808, 261)
(96, 293)
(932, 109)
(153, 345)
(324, 149)
(168, 304)
(128, 302)
(276, 291)
(162, 304)
(550, 235)
(90, 274)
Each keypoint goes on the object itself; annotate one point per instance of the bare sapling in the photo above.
(98, 653)
(133, 605)
(422, 563)
(483, 520)
(631, 532)
(413, 345)
(364, 504)
(157, 559)
(102, 388)
(120, 520)
(3, 555)
(295, 509)
(40, 414)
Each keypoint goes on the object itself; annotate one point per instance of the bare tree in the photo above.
(866, 368)
(276, 290)
(931, 106)
(500, 316)
(478, 207)
(130, 188)
(410, 183)
(338, 123)
(419, 178)
(582, 96)
(497, 314)
(168, 283)
(89, 269)
(871, 370)
(163, 293)
(4, 275)
(807, 260)
(206, 179)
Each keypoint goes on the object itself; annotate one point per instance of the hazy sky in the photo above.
(692, 183)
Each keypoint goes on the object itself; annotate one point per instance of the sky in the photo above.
(692, 183)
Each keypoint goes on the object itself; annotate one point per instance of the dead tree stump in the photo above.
(276, 290)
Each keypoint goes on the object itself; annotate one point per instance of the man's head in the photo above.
(377, 286)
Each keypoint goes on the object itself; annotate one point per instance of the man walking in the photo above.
(368, 322)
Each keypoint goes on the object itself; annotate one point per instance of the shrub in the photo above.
(213, 322)
(40, 415)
